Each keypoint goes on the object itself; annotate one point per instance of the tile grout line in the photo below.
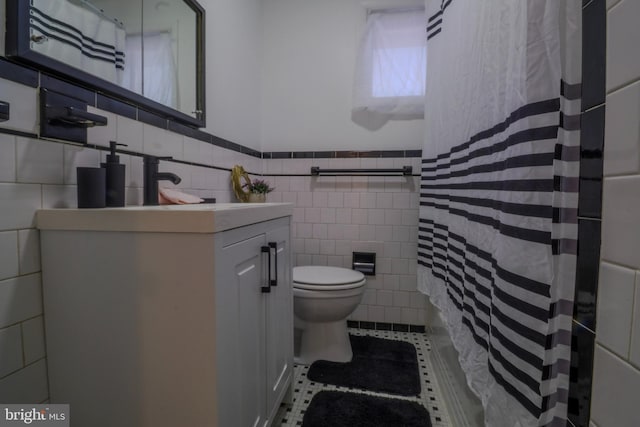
(633, 311)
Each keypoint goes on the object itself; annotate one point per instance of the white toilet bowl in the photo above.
(323, 298)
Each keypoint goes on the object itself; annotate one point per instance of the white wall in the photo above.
(309, 52)
(234, 30)
(616, 380)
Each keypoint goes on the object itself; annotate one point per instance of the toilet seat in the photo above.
(323, 278)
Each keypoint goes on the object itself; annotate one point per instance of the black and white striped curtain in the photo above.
(498, 203)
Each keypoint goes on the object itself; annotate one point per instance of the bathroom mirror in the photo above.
(149, 52)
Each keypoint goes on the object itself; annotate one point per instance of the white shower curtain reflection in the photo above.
(155, 51)
(498, 202)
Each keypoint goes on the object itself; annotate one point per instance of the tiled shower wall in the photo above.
(335, 216)
(616, 368)
(38, 174)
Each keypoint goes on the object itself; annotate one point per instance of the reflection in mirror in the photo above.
(80, 36)
(169, 38)
(146, 46)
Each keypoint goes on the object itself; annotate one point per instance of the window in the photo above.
(392, 61)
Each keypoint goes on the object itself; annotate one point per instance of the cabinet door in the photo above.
(279, 322)
(241, 380)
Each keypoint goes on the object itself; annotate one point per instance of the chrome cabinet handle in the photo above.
(267, 287)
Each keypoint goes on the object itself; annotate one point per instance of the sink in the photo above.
(216, 206)
(196, 218)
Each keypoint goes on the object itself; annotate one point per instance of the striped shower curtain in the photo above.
(498, 202)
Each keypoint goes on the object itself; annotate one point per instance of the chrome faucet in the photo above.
(152, 176)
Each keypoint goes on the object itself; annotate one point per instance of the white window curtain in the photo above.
(391, 66)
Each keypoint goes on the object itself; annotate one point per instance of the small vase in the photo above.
(257, 197)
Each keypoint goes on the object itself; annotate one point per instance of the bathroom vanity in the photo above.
(169, 315)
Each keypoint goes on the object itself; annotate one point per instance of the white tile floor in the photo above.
(430, 396)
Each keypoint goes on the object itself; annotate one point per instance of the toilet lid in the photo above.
(325, 276)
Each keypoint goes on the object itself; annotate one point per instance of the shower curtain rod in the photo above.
(405, 171)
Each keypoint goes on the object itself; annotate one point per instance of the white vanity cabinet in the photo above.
(256, 317)
(168, 316)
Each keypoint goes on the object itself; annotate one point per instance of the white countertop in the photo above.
(198, 218)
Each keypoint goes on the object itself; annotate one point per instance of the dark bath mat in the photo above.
(385, 366)
(340, 409)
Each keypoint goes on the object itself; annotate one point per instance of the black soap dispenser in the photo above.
(114, 177)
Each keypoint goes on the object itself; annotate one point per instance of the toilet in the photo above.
(323, 298)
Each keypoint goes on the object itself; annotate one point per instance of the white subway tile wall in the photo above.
(616, 288)
(20, 299)
(621, 235)
(11, 353)
(18, 203)
(39, 161)
(336, 216)
(129, 131)
(7, 158)
(617, 354)
(614, 400)
(622, 38)
(161, 142)
(101, 135)
(622, 133)
(33, 339)
(26, 385)
(8, 248)
(24, 114)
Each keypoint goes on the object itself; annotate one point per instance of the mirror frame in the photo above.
(17, 48)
